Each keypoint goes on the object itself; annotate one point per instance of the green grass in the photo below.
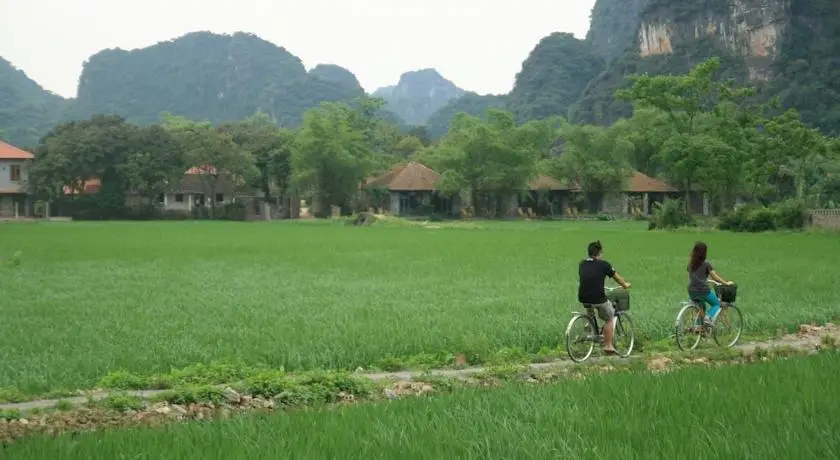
(90, 298)
(778, 410)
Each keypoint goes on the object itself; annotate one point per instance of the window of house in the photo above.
(179, 197)
(14, 173)
(220, 197)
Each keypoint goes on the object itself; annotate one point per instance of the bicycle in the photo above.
(693, 313)
(591, 332)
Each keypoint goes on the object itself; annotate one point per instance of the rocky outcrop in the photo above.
(751, 29)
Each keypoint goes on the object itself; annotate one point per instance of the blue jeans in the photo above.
(711, 299)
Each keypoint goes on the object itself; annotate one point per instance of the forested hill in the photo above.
(418, 94)
(200, 75)
(553, 77)
(789, 49)
(203, 75)
(551, 80)
(470, 103)
(27, 111)
(613, 26)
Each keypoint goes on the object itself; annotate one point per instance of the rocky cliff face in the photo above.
(788, 48)
(751, 29)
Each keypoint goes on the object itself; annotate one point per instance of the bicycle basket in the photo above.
(620, 299)
(727, 293)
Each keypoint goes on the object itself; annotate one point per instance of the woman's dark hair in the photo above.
(698, 256)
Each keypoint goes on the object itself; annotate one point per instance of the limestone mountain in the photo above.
(418, 95)
(26, 109)
(613, 26)
(786, 48)
(471, 103)
(339, 76)
(208, 76)
(553, 77)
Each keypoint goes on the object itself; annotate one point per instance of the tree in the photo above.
(795, 151)
(271, 148)
(684, 99)
(157, 163)
(407, 146)
(493, 158)
(647, 130)
(332, 154)
(213, 153)
(421, 133)
(595, 158)
(76, 152)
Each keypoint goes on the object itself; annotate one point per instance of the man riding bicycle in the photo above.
(593, 271)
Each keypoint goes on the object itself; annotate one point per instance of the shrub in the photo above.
(760, 220)
(791, 215)
(670, 214)
(232, 211)
(748, 218)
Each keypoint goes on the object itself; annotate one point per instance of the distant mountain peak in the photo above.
(419, 94)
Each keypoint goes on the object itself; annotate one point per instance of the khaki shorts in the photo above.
(605, 310)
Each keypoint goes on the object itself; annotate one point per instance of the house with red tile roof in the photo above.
(14, 197)
(191, 193)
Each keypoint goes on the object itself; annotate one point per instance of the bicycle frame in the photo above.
(590, 312)
(701, 304)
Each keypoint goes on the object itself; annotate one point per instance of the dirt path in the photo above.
(807, 338)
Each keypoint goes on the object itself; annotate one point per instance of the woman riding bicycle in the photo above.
(699, 271)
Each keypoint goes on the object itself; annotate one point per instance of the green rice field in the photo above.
(80, 300)
(778, 410)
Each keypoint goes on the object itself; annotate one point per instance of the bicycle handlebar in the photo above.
(613, 288)
(715, 282)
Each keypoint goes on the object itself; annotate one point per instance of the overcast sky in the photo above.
(478, 44)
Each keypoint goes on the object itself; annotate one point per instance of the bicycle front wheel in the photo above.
(689, 327)
(580, 338)
(728, 326)
(624, 335)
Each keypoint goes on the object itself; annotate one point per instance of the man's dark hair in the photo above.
(594, 248)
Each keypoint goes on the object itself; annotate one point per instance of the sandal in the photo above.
(610, 352)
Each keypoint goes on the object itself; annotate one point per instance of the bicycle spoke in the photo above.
(580, 338)
(624, 337)
(689, 327)
(728, 326)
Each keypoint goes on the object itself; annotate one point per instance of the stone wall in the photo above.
(826, 218)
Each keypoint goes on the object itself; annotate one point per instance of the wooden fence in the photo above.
(825, 218)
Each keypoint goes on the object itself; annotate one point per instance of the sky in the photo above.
(477, 44)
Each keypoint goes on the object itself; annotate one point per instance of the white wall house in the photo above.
(14, 198)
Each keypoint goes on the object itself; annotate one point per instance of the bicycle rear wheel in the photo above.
(624, 335)
(728, 326)
(580, 337)
(689, 327)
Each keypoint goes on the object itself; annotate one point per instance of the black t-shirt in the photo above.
(593, 273)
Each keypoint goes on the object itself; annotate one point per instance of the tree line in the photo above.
(693, 130)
